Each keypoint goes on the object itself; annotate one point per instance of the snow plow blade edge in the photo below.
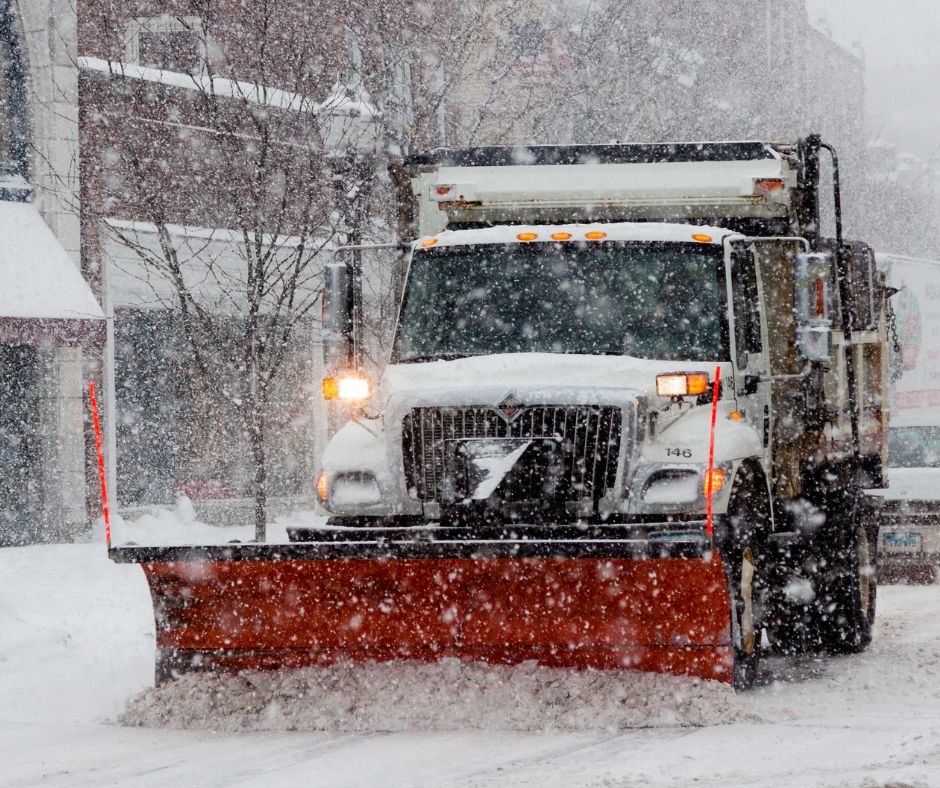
(579, 606)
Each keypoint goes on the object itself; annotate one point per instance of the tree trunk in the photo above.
(407, 223)
(260, 460)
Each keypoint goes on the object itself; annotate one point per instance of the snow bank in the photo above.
(445, 696)
(181, 526)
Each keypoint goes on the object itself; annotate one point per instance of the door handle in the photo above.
(750, 384)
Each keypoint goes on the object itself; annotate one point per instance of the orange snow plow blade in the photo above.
(267, 606)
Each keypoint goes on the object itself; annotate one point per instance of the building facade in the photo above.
(206, 221)
(51, 327)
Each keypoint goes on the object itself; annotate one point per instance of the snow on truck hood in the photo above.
(536, 375)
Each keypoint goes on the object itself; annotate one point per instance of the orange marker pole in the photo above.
(711, 451)
(104, 486)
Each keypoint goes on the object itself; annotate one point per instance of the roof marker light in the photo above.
(527, 236)
(561, 236)
(429, 242)
(595, 235)
(768, 185)
(702, 238)
(443, 192)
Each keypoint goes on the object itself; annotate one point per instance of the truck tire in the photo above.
(848, 611)
(742, 545)
(839, 617)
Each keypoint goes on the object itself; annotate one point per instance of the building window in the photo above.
(528, 38)
(169, 43)
(14, 127)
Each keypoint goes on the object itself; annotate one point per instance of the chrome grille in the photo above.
(590, 437)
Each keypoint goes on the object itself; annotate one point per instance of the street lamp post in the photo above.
(347, 121)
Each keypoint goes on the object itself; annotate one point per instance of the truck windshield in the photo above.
(648, 300)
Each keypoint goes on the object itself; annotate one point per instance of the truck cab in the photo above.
(585, 351)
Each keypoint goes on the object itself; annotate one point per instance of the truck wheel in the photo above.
(743, 554)
(849, 604)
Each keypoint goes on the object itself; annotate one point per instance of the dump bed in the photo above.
(748, 184)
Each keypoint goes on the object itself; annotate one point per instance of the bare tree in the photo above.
(438, 74)
(210, 148)
(276, 129)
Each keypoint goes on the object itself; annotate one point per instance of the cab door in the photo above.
(749, 346)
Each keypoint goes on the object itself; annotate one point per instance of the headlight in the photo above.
(352, 490)
(350, 388)
(677, 485)
(682, 384)
(673, 486)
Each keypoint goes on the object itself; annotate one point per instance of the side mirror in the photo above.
(811, 306)
(337, 317)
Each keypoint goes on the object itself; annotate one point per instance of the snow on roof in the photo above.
(206, 83)
(884, 260)
(339, 102)
(616, 231)
(919, 417)
(39, 278)
(213, 263)
(220, 234)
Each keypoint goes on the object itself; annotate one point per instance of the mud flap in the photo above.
(667, 615)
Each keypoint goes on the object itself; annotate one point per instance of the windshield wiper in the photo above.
(434, 357)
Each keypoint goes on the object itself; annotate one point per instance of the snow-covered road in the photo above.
(76, 642)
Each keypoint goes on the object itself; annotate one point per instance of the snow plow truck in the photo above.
(632, 404)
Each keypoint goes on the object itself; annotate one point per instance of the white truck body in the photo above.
(366, 464)
(909, 540)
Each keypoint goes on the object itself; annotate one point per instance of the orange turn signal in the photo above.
(702, 238)
(698, 384)
(429, 242)
(714, 480)
(527, 236)
(595, 235)
(323, 487)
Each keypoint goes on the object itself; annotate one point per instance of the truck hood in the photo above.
(547, 377)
